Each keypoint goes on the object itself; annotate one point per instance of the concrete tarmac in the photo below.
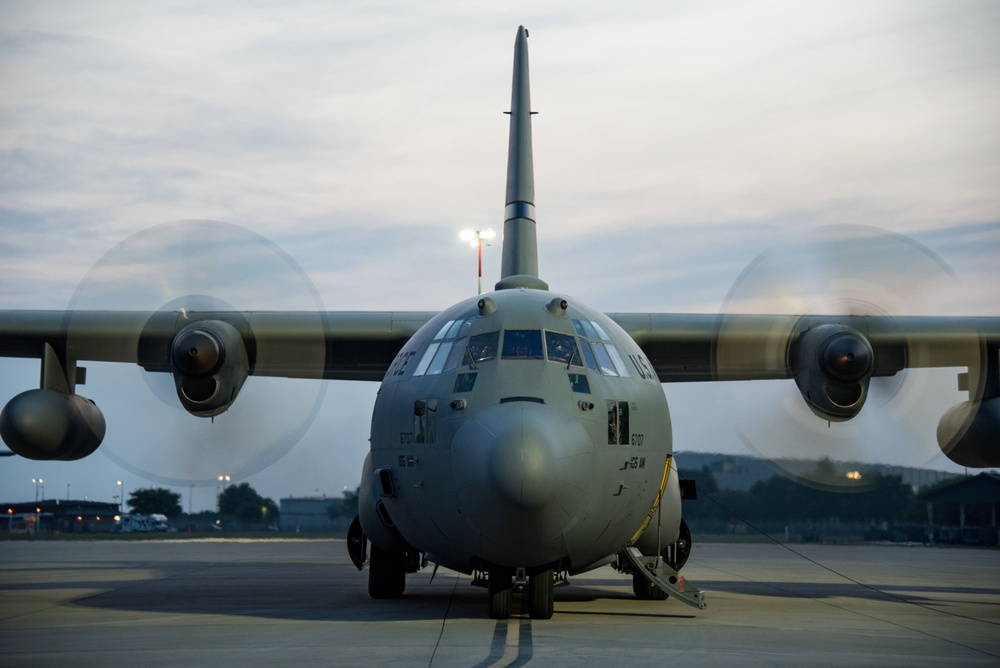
(297, 602)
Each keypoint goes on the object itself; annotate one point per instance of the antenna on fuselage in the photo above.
(519, 264)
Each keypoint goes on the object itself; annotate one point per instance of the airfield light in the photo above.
(476, 240)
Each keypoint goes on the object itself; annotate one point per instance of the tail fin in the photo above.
(519, 265)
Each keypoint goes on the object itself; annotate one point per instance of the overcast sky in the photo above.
(675, 143)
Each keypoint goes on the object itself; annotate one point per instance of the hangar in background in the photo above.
(310, 514)
(965, 510)
(57, 516)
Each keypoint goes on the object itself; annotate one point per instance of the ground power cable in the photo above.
(444, 620)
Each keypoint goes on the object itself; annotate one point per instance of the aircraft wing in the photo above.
(332, 345)
(209, 355)
(832, 359)
(708, 347)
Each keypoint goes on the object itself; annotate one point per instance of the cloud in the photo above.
(674, 144)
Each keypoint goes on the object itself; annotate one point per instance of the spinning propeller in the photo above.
(840, 270)
(171, 269)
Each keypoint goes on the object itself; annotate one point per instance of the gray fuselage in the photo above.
(519, 428)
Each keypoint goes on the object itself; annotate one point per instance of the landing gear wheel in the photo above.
(646, 590)
(501, 586)
(541, 589)
(676, 555)
(386, 573)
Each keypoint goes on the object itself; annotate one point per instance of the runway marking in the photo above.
(512, 645)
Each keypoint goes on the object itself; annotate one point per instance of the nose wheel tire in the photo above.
(541, 594)
(501, 584)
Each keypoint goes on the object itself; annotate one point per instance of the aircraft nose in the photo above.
(522, 454)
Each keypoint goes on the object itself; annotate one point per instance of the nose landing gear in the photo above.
(503, 582)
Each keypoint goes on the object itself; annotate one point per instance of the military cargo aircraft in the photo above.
(519, 436)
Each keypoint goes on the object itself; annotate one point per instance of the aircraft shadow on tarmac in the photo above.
(319, 592)
(312, 591)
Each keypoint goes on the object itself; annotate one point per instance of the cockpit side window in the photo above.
(426, 359)
(437, 364)
(599, 353)
(522, 344)
(588, 356)
(604, 359)
(443, 353)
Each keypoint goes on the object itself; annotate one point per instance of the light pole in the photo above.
(476, 240)
(121, 498)
(223, 479)
(38, 483)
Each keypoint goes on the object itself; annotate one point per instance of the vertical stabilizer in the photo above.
(519, 266)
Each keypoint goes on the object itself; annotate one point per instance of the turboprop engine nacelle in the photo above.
(833, 365)
(47, 424)
(969, 433)
(209, 364)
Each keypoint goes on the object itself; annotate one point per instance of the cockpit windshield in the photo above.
(562, 349)
(481, 348)
(522, 344)
(453, 347)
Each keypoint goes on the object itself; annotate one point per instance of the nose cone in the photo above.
(522, 470)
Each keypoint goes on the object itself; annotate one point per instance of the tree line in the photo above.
(883, 499)
(240, 503)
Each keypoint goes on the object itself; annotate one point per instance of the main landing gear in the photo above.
(386, 573)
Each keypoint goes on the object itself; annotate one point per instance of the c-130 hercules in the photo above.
(520, 435)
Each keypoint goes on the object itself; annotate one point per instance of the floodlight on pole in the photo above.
(476, 239)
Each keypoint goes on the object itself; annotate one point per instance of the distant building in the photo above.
(741, 472)
(309, 514)
(965, 510)
(57, 516)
